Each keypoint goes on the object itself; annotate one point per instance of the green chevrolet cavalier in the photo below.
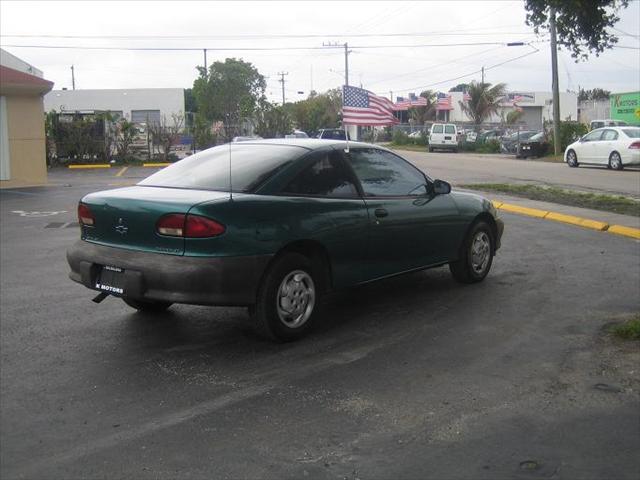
(274, 225)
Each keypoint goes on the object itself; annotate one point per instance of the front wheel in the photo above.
(615, 161)
(149, 306)
(572, 159)
(288, 299)
(476, 255)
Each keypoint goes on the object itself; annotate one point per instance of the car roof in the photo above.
(310, 143)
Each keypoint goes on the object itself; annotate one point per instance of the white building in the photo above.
(11, 61)
(139, 105)
(537, 108)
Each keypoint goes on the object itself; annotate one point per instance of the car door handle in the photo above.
(381, 212)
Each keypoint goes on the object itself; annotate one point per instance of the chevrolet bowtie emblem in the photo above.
(120, 228)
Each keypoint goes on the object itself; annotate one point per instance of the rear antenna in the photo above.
(230, 184)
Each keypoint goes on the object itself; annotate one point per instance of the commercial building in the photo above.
(138, 105)
(22, 135)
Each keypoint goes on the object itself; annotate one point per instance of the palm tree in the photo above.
(484, 100)
(421, 114)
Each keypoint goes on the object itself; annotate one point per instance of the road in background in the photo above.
(414, 377)
(461, 168)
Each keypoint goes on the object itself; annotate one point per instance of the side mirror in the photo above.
(440, 187)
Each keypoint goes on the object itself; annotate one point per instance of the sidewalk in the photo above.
(596, 215)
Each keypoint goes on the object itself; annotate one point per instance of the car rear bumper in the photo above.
(171, 278)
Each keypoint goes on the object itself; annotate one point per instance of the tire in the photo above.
(455, 150)
(431, 149)
(149, 306)
(615, 161)
(288, 298)
(476, 254)
(572, 159)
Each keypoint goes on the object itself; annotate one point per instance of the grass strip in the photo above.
(629, 330)
(594, 201)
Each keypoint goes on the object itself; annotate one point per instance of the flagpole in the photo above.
(346, 132)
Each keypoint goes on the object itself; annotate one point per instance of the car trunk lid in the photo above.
(127, 217)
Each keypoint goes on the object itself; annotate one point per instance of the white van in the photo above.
(443, 135)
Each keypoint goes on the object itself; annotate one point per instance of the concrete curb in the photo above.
(569, 219)
(92, 165)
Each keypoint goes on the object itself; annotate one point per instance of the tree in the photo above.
(514, 116)
(229, 92)
(582, 26)
(125, 132)
(485, 100)
(419, 115)
(318, 111)
(595, 94)
(272, 121)
(461, 87)
(166, 134)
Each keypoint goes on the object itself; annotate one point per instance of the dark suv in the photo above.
(332, 134)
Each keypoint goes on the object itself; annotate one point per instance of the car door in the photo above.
(408, 225)
(586, 151)
(605, 146)
(323, 203)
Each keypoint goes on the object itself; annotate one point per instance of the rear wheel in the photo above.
(288, 298)
(615, 162)
(430, 149)
(572, 159)
(476, 255)
(147, 305)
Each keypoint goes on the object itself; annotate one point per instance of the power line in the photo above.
(191, 49)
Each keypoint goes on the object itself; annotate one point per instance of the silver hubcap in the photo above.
(480, 252)
(296, 298)
(572, 158)
(615, 161)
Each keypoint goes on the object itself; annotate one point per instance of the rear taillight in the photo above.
(635, 145)
(188, 226)
(85, 216)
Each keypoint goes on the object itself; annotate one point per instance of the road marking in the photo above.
(121, 172)
(93, 165)
(22, 213)
(156, 164)
(570, 219)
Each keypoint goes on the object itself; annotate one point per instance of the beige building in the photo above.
(22, 137)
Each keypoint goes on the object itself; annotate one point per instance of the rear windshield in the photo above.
(631, 132)
(437, 129)
(251, 165)
(450, 129)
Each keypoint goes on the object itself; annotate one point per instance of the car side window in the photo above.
(610, 135)
(327, 176)
(593, 136)
(385, 174)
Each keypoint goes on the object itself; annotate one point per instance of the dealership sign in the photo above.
(626, 106)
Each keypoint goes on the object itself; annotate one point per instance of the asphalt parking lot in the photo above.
(414, 377)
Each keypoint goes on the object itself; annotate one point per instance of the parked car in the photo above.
(443, 136)
(615, 147)
(594, 124)
(509, 143)
(246, 138)
(297, 134)
(332, 134)
(294, 220)
(536, 146)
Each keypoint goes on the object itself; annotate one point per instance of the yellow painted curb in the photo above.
(93, 165)
(159, 164)
(581, 222)
(532, 212)
(625, 231)
(496, 204)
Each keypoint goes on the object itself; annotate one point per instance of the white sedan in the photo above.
(614, 147)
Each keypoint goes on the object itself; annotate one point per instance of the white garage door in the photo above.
(145, 116)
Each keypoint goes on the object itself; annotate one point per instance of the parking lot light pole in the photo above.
(554, 82)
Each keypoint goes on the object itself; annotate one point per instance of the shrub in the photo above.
(400, 138)
(569, 133)
(490, 146)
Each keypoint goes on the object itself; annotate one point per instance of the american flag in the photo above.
(361, 107)
(443, 102)
(405, 103)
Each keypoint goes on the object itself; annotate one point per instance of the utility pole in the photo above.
(205, 61)
(391, 95)
(346, 57)
(554, 82)
(73, 78)
(483, 75)
(282, 74)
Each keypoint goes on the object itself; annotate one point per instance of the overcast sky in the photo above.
(485, 27)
